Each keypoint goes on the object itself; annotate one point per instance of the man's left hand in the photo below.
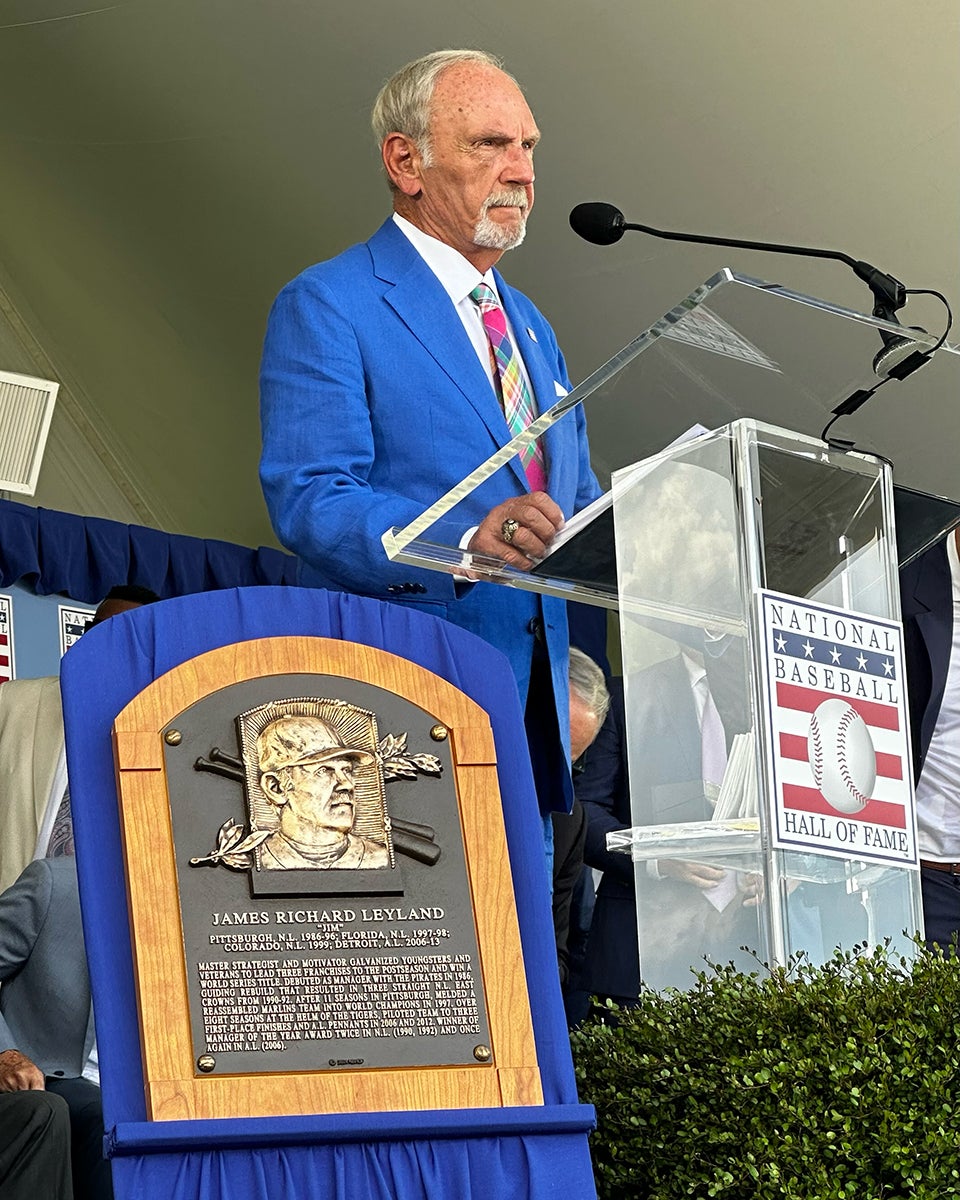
(19, 1073)
(531, 522)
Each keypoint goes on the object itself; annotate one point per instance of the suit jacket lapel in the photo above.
(417, 297)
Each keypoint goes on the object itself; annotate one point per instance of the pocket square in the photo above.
(561, 390)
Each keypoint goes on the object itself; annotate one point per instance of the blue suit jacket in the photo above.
(373, 405)
(926, 603)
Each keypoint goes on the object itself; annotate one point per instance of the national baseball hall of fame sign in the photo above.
(836, 718)
(320, 892)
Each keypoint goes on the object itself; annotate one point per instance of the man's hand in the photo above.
(18, 1073)
(699, 874)
(751, 887)
(538, 519)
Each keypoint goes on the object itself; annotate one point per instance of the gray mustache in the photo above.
(513, 199)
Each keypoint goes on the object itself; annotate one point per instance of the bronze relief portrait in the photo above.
(314, 786)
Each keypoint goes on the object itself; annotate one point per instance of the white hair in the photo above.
(586, 679)
(403, 103)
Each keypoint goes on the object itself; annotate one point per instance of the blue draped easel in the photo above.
(480, 1154)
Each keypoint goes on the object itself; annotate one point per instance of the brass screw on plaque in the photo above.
(173, 737)
(206, 1062)
(439, 733)
(482, 1053)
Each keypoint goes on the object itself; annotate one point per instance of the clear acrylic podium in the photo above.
(743, 510)
(700, 530)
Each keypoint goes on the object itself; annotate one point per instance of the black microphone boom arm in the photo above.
(604, 224)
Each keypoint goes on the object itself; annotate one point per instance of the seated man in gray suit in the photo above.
(47, 1039)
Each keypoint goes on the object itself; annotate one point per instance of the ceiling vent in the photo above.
(26, 409)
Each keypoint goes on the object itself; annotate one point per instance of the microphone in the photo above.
(597, 222)
(603, 224)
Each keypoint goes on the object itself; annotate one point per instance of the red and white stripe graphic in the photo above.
(6, 639)
(794, 706)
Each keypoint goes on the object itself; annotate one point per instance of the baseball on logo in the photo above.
(842, 756)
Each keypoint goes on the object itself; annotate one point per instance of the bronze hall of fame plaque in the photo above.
(324, 899)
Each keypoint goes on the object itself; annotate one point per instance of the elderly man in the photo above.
(393, 370)
(589, 704)
(47, 1038)
(307, 771)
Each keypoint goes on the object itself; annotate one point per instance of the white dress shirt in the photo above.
(458, 279)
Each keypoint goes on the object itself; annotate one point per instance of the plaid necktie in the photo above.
(518, 406)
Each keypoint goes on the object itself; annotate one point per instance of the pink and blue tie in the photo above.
(518, 406)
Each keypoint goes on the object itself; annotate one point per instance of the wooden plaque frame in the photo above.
(174, 1087)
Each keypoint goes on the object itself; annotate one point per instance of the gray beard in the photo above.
(493, 236)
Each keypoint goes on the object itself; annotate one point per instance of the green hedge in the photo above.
(803, 1082)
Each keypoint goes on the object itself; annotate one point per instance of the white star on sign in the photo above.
(781, 642)
(861, 662)
(835, 655)
(808, 649)
(888, 667)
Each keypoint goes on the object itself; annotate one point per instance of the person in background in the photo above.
(689, 908)
(589, 702)
(33, 769)
(930, 606)
(34, 1147)
(47, 1039)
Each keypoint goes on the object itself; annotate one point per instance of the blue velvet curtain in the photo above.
(83, 557)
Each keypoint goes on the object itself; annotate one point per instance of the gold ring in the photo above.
(508, 530)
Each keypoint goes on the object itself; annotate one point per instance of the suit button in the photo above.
(535, 626)
(420, 588)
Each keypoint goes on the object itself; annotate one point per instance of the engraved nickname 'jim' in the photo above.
(309, 773)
